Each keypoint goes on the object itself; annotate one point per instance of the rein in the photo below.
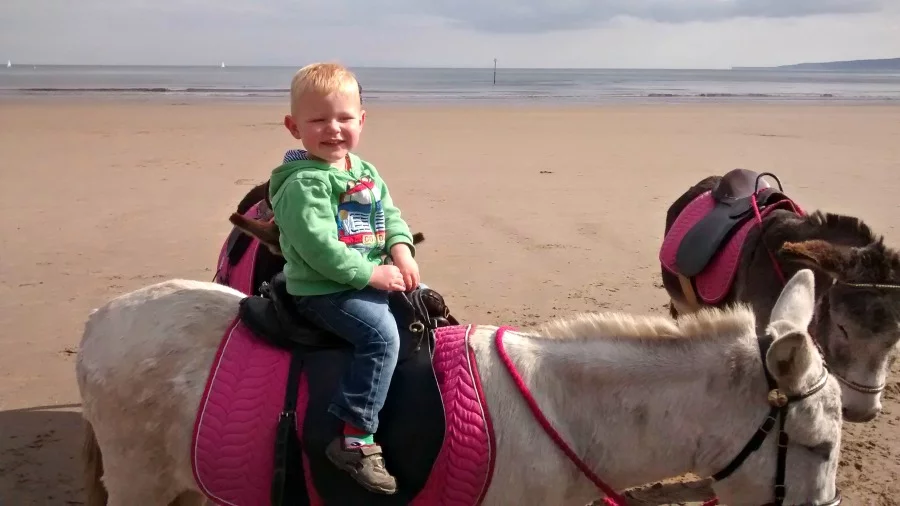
(612, 497)
(754, 204)
(778, 400)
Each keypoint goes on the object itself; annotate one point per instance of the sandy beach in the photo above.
(529, 213)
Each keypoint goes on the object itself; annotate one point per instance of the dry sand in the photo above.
(529, 213)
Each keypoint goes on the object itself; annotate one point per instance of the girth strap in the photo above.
(287, 429)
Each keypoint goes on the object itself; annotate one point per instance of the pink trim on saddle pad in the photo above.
(463, 469)
(232, 452)
(239, 276)
(714, 283)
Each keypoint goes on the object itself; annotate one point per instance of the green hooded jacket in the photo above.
(335, 225)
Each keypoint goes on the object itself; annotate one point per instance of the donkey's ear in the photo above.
(266, 231)
(819, 255)
(793, 311)
(790, 359)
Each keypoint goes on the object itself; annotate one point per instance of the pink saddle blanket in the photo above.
(714, 283)
(232, 452)
(240, 275)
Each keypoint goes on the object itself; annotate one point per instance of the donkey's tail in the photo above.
(93, 468)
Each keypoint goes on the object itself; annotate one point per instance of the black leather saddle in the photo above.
(412, 417)
(734, 196)
(273, 316)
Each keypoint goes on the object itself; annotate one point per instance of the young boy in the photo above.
(337, 220)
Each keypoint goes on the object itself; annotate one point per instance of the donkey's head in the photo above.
(858, 317)
(807, 400)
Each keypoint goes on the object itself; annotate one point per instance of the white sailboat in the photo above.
(8, 63)
(223, 65)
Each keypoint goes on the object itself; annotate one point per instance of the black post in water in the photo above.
(495, 71)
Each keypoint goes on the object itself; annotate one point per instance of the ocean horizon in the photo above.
(461, 84)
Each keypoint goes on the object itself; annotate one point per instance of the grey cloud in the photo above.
(515, 16)
(548, 15)
(532, 32)
(492, 16)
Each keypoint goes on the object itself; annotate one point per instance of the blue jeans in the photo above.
(364, 319)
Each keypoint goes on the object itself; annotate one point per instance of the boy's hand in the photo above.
(387, 277)
(404, 261)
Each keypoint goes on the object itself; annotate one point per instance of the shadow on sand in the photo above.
(39, 456)
(40, 462)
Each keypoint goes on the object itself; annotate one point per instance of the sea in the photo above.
(461, 85)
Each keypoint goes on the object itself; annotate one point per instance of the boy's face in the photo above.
(328, 125)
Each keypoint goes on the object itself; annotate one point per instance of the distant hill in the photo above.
(880, 64)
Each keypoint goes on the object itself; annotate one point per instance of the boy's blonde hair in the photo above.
(322, 78)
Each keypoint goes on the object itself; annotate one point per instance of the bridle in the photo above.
(778, 401)
(863, 389)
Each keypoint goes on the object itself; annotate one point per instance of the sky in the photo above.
(466, 33)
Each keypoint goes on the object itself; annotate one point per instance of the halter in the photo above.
(863, 389)
(859, 387)
(778, 401)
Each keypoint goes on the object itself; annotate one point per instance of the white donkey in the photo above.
(637, 398)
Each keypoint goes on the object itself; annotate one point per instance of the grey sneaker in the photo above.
(365, 464)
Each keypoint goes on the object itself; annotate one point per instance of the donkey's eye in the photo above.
(844, 331)
(823, 450)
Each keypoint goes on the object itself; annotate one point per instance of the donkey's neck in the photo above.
(765, 285)
(641, 410)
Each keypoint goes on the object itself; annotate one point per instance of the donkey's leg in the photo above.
(190, 499)
(140, 489)
(677, 307)
(137, 492)
(672, 311)
(136, 472)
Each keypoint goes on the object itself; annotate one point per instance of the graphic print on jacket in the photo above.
(360, 216)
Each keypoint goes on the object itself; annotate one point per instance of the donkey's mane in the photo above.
(256, 194)
(707, 323)
(849, 226)
(876, 263)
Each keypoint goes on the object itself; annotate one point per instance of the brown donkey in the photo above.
(736, 239)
